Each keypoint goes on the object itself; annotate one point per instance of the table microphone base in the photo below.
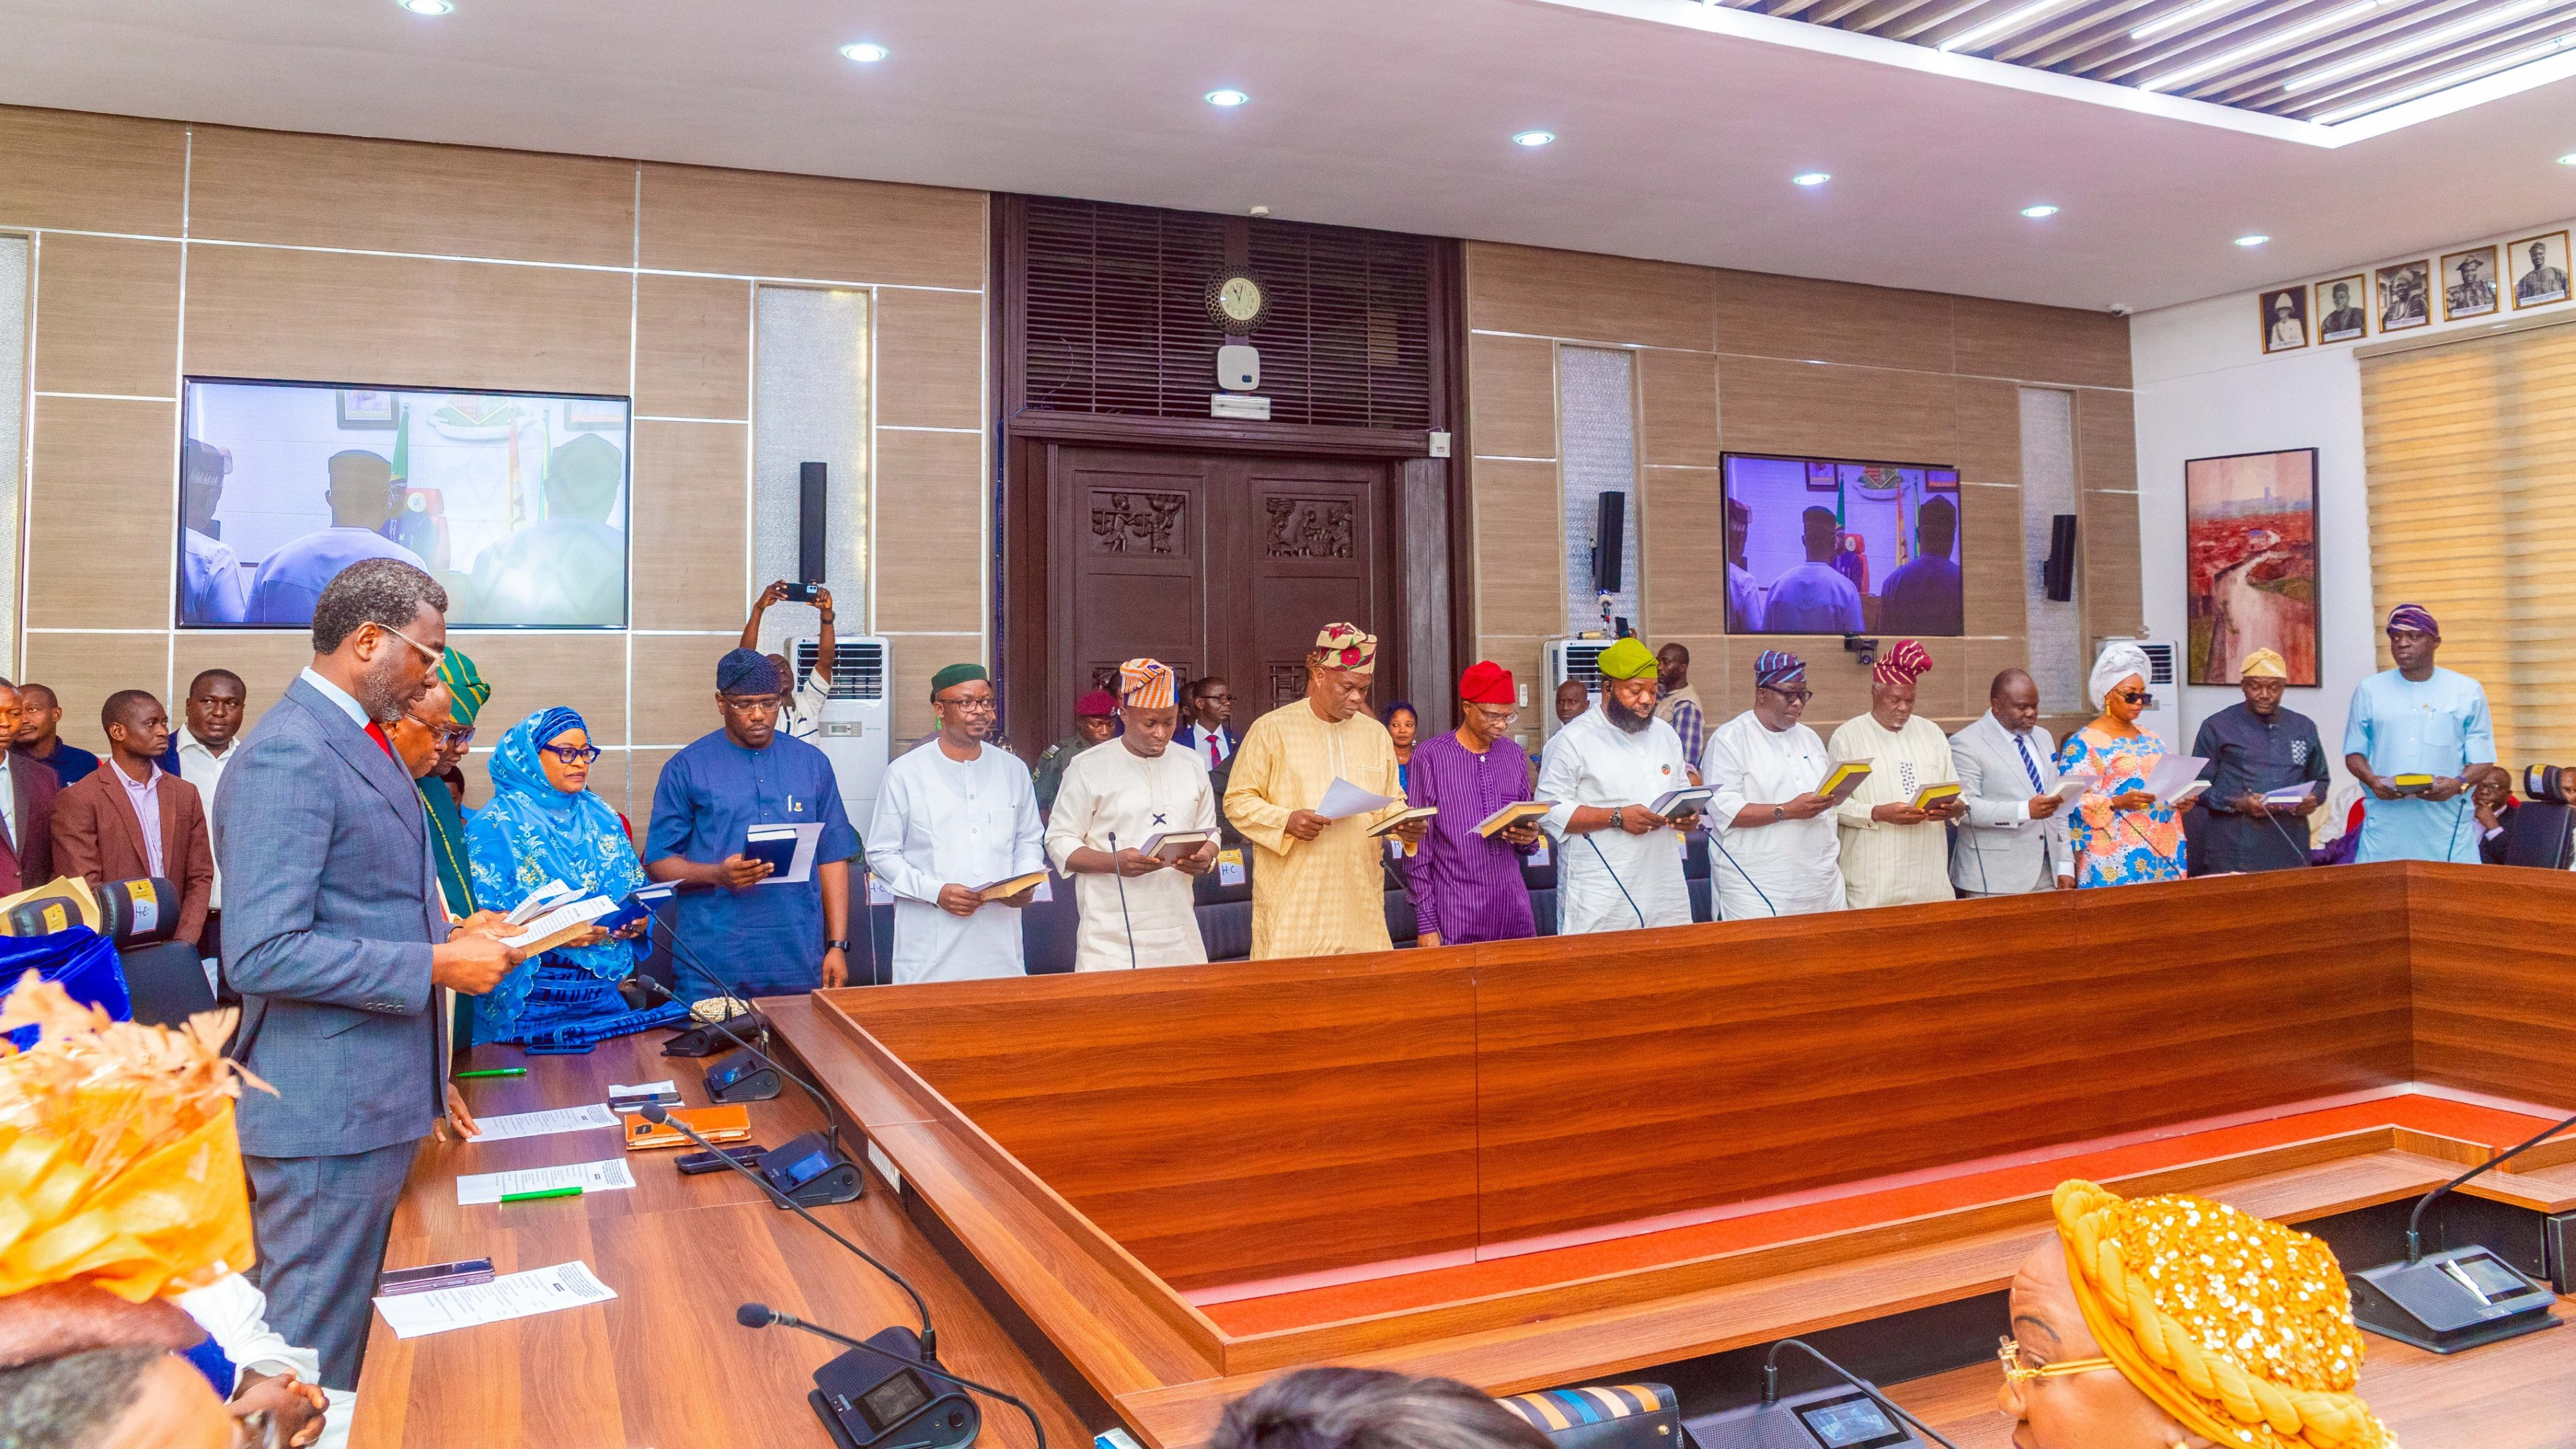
(2460, 1298)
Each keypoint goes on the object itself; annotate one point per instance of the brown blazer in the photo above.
(97, 835)
(28, 859)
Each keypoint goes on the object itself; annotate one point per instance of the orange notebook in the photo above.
(716, 1124)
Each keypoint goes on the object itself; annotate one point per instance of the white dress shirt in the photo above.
(203, 768)
(940, 822)
(348, 702)
(1608, 879)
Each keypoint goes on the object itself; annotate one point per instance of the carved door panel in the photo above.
(1134, 527)
(1306, 544)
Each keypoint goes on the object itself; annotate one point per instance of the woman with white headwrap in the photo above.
(2121, 834)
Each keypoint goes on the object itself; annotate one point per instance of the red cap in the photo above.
(1486, 682)
(1098, 704)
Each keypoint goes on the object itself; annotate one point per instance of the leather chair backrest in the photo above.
(1607, 1416)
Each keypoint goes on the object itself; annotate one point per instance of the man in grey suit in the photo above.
(2013, 841)
(337, 939)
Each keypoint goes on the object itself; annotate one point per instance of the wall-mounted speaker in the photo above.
(1609, 542)
(811, 480)
(2059, 575)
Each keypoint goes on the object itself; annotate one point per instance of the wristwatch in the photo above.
(1616, 822)
(1779, 813)
(836, 945)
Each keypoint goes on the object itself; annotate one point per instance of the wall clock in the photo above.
(1237, 302)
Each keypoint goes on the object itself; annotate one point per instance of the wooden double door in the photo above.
(1213, 563)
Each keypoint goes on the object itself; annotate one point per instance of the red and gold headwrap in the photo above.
(1145, 684)
(2239, 1328)
(1346, 646)
(1903, 664)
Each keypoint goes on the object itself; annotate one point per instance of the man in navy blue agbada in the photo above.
(2253, 749)
(771, 939)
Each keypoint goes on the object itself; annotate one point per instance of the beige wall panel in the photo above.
(1804, 320)
(266, 659)
(1522, 654)
(690, 490)
(107, 316)
(324, 316)
(2041, 344)
(675, 687)
(84, 669)
(1680, 546)
(692, 347)
(1980, 661)
(2106, 439)
(1587, 298)
(103, 517)
(1864, 413)
(2110, 540)
(1677, 395)
(402, 196)
(916, 658)
(1511, 396)
(1520, 571)
(528, 671)
(643, 773)
(930, 359)
(1712, 673)
(751, 223)
(91, 173)
(1842, 687)
(1989, 430)
(476, 767)
(1997, 583)
(929, 554)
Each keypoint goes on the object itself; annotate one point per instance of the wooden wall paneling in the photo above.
(1681, 546)
(930, 358)
(692, 347)
(266, 659)
(1677, 408)
(84, 669)
(815, 228)
(1801, 319)
(531, 671)
(292, 189)
(2491, 1010)
(1841, 686)
(1874, 414)
(1581, 297)
(2106, 439)
(1942, 693)
(107, 316)
(1223, 1123)
(1520, 575)
(406, 321)
(675, 686)
(691, 483)
(643, 775)
(930, 509)
(1989, 430)
(1511, 395)
(103, 514)
(1980, 660)
(2031, 343)
(84, 172)
(2107, 531)
(1997, 578)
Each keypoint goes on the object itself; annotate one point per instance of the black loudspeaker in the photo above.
(2059, 575)
(810, 478)
(1609, 542)
(2558, 1239)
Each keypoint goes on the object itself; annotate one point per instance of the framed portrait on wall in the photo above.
(2468, 283)
(2285, 319)
(2342, 309)
(361, 407)
(2405, 296)
(2539, 266)
(2250, 562)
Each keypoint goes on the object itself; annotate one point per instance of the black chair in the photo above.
(167, 982)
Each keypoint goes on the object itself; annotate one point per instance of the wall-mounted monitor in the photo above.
(1834, 546)
(517, 502)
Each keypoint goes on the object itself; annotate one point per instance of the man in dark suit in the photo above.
(1205, 733)
(27, 791)
(100, 830)
(337, 939)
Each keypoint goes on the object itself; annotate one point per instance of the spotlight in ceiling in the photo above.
(2568, 160)
(2252, 239)
(427, 7)
(1811, 178)
(864, 53)
(1227, 96)
(2041, 210)
(1532, 139)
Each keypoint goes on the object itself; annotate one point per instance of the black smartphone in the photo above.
(802, 593)
(435, 1275)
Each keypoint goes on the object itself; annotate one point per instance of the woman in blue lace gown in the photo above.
(544, 825)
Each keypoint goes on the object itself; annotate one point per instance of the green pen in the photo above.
(492, 1072)
(541, 1193)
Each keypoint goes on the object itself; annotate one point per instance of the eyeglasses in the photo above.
(1497, 715)
(1794, 696)
(572, 754)
(432, 655)
(2017, 1374)
(749, 703)
(968, 706)
(2133, 696)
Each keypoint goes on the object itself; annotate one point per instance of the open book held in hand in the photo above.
(559, 925)
(2290, 797)
(789, 849)
(1843, 779)
(1004, 889)
(1171, 845)
(541, 900)
(1684, 801)
(1392, 822)
(1511, 815)
(2071, 788)
(2171, 779)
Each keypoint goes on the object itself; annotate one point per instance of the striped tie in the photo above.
(2029, 766)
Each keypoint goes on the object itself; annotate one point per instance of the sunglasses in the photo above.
(2133, 696)
(1795, 696)
(572, 754)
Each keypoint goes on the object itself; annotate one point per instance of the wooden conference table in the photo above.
(1540, 1162)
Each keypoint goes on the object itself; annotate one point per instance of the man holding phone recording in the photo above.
(800, 710)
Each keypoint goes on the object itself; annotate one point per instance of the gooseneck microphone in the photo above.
(831, 1127)
(761, 1315)
(1120, 876)
(660, 1116)
(2415, 1219)
(1771, 1386)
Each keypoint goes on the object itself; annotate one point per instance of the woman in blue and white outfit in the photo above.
(544, 825)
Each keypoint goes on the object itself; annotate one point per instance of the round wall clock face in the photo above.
(1236, 302)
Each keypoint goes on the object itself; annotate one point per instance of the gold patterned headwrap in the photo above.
(1145, 684)
(2238, 1327)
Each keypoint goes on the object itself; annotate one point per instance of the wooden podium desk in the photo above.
(664, 1365)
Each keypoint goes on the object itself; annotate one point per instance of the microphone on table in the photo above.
(761, 1315)
(1850, 1412)
(1121, 877)
(1771, 1385)
(2458, 1297)
(660, 1116)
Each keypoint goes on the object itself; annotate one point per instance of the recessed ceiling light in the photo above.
(865, 53)
(2252, 239)
(1811, 178)
(2568, 160)
(1532, 138)
(2036, 212)
(427, 7)
(1226, 97)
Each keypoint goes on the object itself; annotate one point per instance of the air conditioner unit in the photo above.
(856, 734)
(1567, 659)
(2163, 713)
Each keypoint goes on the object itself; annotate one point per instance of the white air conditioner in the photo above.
(1567, 659)
(2163, 713)
(857, 720)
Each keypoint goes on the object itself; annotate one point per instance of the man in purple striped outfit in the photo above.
(1467, 887)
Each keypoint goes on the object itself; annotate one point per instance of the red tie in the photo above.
(376, 732)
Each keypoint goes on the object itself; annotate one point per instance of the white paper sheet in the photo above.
(800, 868)
(2069, 787)
(571, 913)
(2172, 773)
(1342, 800)
(544, 1124)
(2292, 796)
(545, 898)
(477, 1189)
(512, 1295)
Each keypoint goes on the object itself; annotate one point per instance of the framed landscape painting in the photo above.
(2251, 557)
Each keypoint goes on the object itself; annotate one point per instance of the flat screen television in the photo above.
(1834, 546)
(517, 502)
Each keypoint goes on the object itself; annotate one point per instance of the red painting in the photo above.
(2253, 562)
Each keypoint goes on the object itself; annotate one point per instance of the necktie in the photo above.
(2029, 766)
(376, 732)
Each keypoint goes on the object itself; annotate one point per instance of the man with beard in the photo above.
(336, 939)
(1894, 853)
(1620, 866)
(1136, 906)
(955, 816)
(1778, 852)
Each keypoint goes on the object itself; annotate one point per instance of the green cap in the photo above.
(466, 690)
(1627, 659)
(954, 675)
